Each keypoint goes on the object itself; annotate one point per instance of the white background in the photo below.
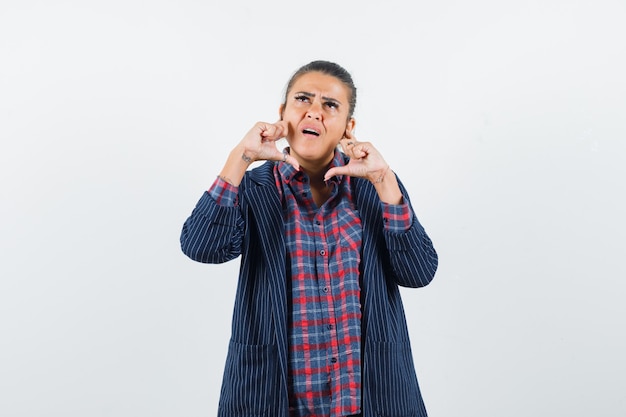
(505, 119)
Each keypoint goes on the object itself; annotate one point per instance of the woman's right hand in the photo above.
(259, 144)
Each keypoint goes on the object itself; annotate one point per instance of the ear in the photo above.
(281, 110)
(350, 125)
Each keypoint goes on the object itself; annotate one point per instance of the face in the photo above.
(316, 111)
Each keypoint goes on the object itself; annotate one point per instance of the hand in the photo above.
(365, 161)
(260, 143)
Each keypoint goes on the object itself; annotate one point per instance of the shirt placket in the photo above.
(328, 292)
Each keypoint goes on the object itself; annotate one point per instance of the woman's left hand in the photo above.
(365, 161)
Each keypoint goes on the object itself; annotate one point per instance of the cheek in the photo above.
(338, 130)
(292, 115)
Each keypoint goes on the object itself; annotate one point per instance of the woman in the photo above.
(325, 238)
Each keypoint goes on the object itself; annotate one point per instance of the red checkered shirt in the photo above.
(323, 255)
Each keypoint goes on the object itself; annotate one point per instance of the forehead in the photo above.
(321, 84)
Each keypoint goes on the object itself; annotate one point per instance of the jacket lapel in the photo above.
(267, 211)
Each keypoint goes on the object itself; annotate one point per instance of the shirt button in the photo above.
(325, 289)
(330, 327)
(322, 252)
(317, 222)
(333, 360)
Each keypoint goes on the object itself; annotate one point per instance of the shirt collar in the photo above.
(288, 173)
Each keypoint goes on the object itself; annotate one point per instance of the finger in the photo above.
(345, 142)
(292, 161)
(360, 150)
(274, 131)
(336, 171)
(284, 157)
(284, 126)
(279, 130)
(268, 132)
(357, 151)
(348, 146)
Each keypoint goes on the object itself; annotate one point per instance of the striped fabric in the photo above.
(256, 372)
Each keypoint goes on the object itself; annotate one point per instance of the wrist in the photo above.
(240, 152)
(387, 187)
(380, 176)
(236, 166)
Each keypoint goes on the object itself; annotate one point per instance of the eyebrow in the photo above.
(304, 93)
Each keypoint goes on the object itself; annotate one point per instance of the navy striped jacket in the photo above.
(254, 382)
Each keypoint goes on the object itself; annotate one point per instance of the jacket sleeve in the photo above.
(212, 233)
(412, 255)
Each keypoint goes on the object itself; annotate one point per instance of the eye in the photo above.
(302, 98)
(332, 104)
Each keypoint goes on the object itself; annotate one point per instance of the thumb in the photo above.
(292, 161)
(336, 171)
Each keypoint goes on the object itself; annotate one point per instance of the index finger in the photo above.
(275, 131)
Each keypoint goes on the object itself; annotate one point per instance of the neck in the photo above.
(316, 170)
(316, 176)
(319, 190)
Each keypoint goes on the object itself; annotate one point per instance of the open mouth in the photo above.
(308, 131)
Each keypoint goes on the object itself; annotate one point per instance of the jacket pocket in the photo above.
(249, 384)
(393, 384)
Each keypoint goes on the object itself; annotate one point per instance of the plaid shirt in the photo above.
(323, 255)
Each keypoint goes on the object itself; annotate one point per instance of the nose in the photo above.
(314, 111)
